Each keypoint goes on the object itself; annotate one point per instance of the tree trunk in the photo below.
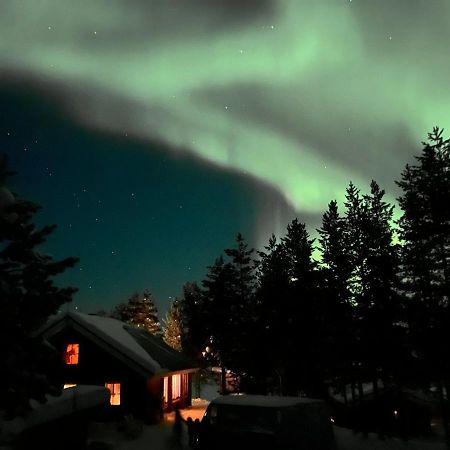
(360, 390)
(223, 380)
(353, 392)
(444, 412)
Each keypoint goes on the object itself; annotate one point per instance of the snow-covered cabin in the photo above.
(145, 376)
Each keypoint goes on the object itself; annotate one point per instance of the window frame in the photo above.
(115, 389)
(72, 350)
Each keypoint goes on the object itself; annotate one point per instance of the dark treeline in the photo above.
(373, 308)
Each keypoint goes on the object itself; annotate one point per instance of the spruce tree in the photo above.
(303, 312)
(272, 302)
(228, 309)
(120, 312)
(381, 312)
(335, 257)
(242, 307)
(356, 218)
(28, 296)
(219, 313)
(425, 235)
(243, 267)
(195, 336)
(140, 311)
(373, 283)
(336, 275)
(173, 326)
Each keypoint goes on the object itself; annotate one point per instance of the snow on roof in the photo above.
(147, 353)
(115, 332)
(110, 334)
(169, 359)
(263, 400)
(71, 400)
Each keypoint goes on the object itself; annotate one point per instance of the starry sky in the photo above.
(152, 131)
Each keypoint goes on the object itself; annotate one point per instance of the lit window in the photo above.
(176, 386)
(114, 388)
(166, 390)
(185, 383)
(72, 353)
(67, 386)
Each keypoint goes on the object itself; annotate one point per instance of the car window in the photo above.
(248, 417)
(212, 415)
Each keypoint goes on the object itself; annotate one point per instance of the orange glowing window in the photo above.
(114, 388)
(166, 389)
(68, 386)
(185, 378)
(72, 353)
(176, 386)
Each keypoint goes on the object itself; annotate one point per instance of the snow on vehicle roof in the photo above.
(263, 400)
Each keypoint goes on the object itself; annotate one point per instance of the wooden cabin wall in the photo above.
(97, 367)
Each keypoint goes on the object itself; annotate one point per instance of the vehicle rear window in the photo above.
(245, 417)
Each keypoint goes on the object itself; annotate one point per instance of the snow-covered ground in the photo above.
(158, 437)
(346, 440)
(135, 436)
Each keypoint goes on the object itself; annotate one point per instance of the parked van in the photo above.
(242, 421)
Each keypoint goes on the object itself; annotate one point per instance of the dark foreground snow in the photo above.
(158, 437)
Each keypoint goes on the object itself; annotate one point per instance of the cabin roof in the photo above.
(137, 348)
(168, 358)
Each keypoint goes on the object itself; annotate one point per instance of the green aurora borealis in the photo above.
(292, 95)
(301, 95)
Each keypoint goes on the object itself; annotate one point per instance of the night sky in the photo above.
(151, 132)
